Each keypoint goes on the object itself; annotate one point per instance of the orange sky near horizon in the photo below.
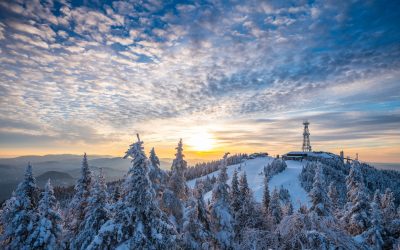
(366, 154)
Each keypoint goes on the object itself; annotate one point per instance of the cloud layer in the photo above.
(77, 75)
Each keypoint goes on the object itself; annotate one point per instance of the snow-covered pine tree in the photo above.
(373, 236)
(96, 214)
(390, 220)
(77, 208)
(19, 214)
(275, 210)
(321, 203)
(202, 209)
(307, 175)
(138, 222)
(288, 209)
(176, 193)
(177, 182)
(156, 174)
(235, 193)
(377, 197)
(116, 195)
(388, 206)
(266, 197)
(220, 213)
(333, 195)
(244, 216)
(195, 234)
(275, 167)
(48, 229)
(358, 210)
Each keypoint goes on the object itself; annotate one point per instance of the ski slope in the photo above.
(255, 177)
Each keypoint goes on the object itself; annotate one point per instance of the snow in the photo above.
(254, 170)
(289, 179)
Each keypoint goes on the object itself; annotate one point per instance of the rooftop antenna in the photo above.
(306, 137)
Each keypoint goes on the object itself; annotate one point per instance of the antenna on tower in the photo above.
(306, 137)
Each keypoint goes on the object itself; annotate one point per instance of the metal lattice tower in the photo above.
(306, 137)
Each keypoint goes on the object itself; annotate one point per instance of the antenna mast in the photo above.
(306, 137)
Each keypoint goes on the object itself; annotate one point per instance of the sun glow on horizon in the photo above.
(201, 141)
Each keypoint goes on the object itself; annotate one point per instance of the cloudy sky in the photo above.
(237, 76)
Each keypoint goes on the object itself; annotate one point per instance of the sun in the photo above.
(201, 141)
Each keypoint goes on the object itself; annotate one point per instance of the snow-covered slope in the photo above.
(254, 168)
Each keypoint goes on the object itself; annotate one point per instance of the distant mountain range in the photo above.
(57, 179)
(387, 166)
(63, 170)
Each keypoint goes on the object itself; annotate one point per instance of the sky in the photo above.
(237, 76)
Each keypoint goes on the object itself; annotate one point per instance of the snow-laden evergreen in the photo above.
(116, 196)
(19, 215)
(76, 213)
(244, 217)
(220, 212)
(177, 182)
(334, 196)
(321, 203)
(358, 210)
(138, 221)
(235, 193)
(275, 209)
(373, 236)
(196, 231)
(275, 167)
(48, 229)
(157, 176)
(388, 207)
(266, 197)
(96, 214)
(176, 193)
(203, 216)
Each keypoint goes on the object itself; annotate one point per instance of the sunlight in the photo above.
(201, 141)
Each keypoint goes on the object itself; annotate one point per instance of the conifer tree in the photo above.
(235, 193)
(220, 212)
(266, 197)
(96, 214)
(177, 181)
(275, 210)
(79, 202)
(388, 206)
(19, 214)
(156, 175)
(48, 229)
(373, 235)
(138, 222)
(333, 195)
(244, 216)
(288, 209)
(176, 193)
(202, 209)
(358, 210)
(116, 194)
(195, 233)
(247, 206)
(319, 198)
(377, 198)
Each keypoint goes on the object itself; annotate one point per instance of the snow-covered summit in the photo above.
(288, 179)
